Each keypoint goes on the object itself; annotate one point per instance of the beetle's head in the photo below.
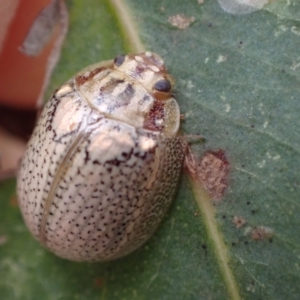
(148, 69)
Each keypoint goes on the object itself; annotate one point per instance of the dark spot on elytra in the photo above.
(87, 156)
(127, 155)
(110, 86)
(129, 90)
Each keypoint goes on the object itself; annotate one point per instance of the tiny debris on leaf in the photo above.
(181, 21)
(261, 233)
(238, 221)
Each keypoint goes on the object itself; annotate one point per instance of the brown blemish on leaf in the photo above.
(99, 282)
(181, 21)
(14, 201)
(261, 233)
(3, 239)
(238, 221)
(212, 170)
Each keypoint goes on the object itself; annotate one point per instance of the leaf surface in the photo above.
(237, 82)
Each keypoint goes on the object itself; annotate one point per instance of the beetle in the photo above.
(102, 166)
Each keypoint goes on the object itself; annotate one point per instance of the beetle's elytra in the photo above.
(103, 163)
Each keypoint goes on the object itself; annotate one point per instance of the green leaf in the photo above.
(237, 82)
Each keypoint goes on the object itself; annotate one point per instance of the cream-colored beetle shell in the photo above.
(104, 160)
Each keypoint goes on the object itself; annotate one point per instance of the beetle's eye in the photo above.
(163, 85)
(119, 60)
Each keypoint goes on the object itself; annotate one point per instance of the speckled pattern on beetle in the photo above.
(104, 161)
